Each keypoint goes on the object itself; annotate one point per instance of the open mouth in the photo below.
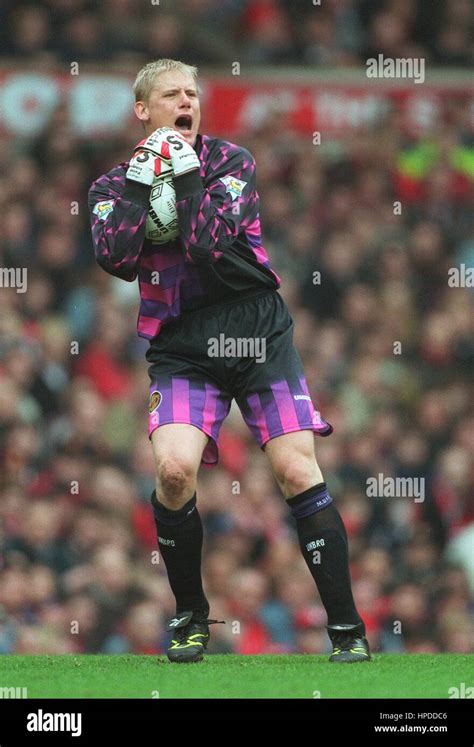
(184, 123)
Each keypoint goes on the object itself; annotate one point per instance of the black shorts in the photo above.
(242, 350)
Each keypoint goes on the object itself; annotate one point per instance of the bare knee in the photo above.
(294, 476)
(175, 481)
(294, 462)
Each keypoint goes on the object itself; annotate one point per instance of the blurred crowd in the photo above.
(364, 232)
(388, 348)
(254, 32)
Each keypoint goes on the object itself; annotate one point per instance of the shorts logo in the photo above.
(233, 186)
(155, 401)
(103, 208)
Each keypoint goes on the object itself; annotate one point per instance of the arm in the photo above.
(212, 214)
(118, 219)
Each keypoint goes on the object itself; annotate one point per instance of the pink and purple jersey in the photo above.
(219, 253)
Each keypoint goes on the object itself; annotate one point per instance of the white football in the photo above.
(162, 220)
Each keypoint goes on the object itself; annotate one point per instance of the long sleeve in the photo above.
(213, 210)
(118, 211)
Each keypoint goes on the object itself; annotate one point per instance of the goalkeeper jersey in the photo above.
(218, 256)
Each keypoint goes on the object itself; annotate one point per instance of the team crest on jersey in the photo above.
(233, 186)
(155, 401)
(103, 208)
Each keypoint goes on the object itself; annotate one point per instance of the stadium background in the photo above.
(79, 570)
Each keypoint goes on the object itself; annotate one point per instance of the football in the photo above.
(162, 220)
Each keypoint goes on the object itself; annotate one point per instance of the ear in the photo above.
(141, 111)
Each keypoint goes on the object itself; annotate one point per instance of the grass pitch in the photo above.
(232, 676)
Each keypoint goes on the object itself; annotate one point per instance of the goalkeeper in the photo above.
(215, 280)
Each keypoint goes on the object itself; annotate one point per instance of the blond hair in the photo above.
(146, 76)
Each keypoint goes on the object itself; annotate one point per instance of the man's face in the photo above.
(173, 102)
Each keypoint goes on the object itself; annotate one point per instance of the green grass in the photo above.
(231, 676)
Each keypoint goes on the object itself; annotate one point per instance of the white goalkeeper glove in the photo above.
(169, 144)
(144, 166)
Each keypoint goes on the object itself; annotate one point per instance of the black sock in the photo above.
(323, 542)
(180, 541)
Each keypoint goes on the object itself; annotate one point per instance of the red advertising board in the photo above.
(99, 104)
